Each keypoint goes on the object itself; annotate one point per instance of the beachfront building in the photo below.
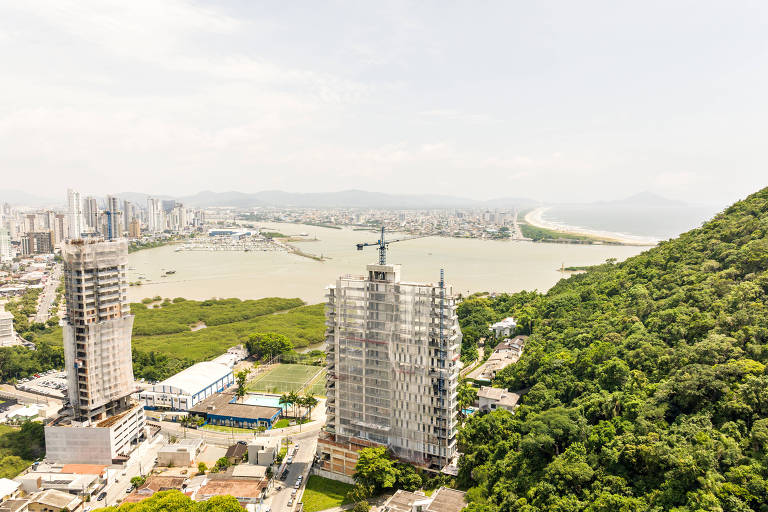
(393, 367)
(187, 388)
(101, 424)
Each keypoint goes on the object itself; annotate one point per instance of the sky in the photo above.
(557, 100)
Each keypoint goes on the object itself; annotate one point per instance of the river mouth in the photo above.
(471, 265)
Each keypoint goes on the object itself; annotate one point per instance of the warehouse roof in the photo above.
(194, 379)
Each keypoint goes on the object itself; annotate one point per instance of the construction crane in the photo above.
(383, 245)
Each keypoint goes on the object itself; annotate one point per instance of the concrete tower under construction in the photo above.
(97, 356)
(393, 367)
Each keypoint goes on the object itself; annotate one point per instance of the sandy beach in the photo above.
(536, 218)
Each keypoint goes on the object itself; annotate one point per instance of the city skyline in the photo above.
(186, 97)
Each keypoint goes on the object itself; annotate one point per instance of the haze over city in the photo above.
(401, 256)
(565, 102)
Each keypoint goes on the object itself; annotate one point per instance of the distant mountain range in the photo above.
(342, 199)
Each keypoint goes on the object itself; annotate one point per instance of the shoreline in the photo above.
(536, 218)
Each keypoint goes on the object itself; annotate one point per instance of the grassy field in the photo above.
(317, 386)
(284, 378)
(11, 463)
(323, 493)
(303, 326)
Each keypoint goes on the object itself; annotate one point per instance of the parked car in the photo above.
(284, 476)
(289, 460)
(101, 496)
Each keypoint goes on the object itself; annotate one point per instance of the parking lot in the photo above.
(51, 383)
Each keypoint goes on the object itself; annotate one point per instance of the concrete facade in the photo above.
(7, 334)
(106, 442)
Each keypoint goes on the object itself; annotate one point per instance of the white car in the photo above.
(289, 460)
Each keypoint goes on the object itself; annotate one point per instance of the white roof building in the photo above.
(188, 387)
(8, 488)
(505, 327)
(25, 413)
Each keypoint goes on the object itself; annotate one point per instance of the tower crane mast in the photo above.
(383, 245)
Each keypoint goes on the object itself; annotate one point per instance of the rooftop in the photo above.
(249, 471)
(7, 487)
(499, 395)
(248, 489)
(237, 451)
(219, 404)
(13, 505)
(447, 500)
(155, 484)
(507, 322)
(195, 378)
(56, 499)
(83, 469)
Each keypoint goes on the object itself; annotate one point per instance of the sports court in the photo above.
(284, 378)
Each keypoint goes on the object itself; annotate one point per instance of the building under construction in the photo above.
(101, 425)
(393, 367)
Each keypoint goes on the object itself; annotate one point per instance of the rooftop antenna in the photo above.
(383, 245)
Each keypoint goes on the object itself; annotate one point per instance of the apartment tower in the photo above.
(75, 213)
(97, 356)
(393, 368)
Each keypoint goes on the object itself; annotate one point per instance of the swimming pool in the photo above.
(263, 400)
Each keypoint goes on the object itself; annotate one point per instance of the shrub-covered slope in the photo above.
(648, 384)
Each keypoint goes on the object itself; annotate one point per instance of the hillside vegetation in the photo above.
(647, 384)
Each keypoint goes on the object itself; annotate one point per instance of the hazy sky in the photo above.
(551, 100)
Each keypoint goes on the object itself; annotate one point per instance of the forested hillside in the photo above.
(648, 384)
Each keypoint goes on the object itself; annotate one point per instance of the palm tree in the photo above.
(294, 399)
(285, 399)
(310, 402)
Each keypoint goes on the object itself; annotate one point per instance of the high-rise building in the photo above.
(37, 242)
(155, 212)
(134, 229)
(102, 425)
(129, 213)
(59, 228)
(114, 221)
(393, 368)
(30, 222)
(75, 212)
(7, 334)
(91, 213)
(5, 245)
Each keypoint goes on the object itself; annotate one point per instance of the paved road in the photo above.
(226, 438)
(141, 463)
(48, 295)
(302, 462)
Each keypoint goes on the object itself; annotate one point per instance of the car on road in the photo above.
(101, 496)
(298, 484)
(289, 460)
(290, 502)
(128, 490)
(284, 475)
